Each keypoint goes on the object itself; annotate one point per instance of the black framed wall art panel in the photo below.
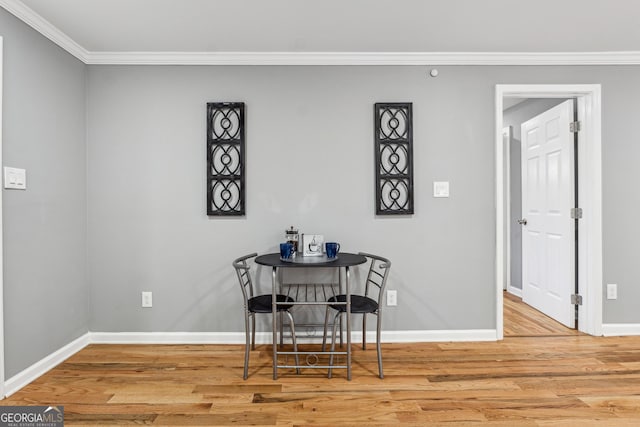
(393, 137)
(226, 159)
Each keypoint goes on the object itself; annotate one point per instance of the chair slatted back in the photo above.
(243, 271)
(377, 276)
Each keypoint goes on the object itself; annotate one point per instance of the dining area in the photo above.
(284, 300)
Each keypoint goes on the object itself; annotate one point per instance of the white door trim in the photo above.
(589, 267)
(507, 135)
(1, 251)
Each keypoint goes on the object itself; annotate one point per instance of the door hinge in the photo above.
(576, 213)
(574, 127)
(576, 299)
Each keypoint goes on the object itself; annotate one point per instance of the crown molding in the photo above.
(31, 18)
(363, 58)
(44, 27)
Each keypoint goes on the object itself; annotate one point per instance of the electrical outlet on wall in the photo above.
(612, 291)
(392, 298)
(147, 299)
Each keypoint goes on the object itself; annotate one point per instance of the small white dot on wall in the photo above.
(433, 72)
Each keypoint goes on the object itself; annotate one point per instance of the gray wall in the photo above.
(514, 117)
(309, 164)
(147, 224)
(45, 287)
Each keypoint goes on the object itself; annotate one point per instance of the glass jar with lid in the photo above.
(291, 236)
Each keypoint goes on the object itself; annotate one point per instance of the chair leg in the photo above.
(379, 346)
(253, 332)
(281, 329)
(246, 347)
(326, 326)
(336, 320)
(293, 337)
(364, 331)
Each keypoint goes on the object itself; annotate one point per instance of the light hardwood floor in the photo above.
(521, 320)
(554, 379)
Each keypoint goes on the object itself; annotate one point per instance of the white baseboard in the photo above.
(620, 329)
(169, 337)
(39, 368)
(436, 336)
(265, 337)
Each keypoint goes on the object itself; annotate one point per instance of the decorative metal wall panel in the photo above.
(225, 159)
(394, 158)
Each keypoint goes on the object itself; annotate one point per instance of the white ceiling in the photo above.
(365, 26)
(347, 25)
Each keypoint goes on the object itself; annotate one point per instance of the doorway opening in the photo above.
(588, 163)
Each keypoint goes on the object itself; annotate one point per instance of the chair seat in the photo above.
(359, 304)
(262, 303)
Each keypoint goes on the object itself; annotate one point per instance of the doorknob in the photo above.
(522, 221)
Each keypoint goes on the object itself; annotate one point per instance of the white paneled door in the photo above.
(548, 233)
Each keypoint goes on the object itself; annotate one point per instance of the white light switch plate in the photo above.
(441, 189)
(15, 178)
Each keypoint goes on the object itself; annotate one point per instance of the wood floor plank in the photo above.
(240, 418)
(142, 408)
(108, 419)
(584, 422)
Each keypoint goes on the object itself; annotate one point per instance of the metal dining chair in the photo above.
(254, 304)
(368, 303)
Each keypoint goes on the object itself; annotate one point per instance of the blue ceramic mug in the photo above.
(332, 249)
(286, 250)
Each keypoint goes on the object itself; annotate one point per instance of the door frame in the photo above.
(589, 268)
(507, 136)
